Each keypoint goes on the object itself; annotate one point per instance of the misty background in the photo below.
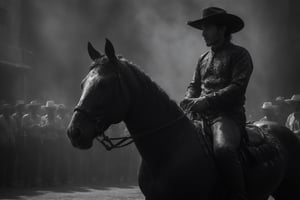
(153, 34)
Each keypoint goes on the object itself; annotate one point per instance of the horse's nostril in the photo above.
(73, 133)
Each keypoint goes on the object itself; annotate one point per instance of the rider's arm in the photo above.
(194, 88)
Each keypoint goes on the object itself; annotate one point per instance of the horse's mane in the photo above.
(147, 83)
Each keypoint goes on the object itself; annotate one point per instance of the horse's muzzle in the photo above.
(78, 140)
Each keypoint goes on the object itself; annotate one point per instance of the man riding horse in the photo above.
(217, 91)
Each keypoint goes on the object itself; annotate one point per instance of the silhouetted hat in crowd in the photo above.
(294, 100)
(218, 16)
(62, 107)
(20, 103)
(33, 104)
(6, 106)
(268, 106)
(50, 105)
(279, 100)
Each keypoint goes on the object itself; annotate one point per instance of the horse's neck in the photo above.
(154, 126)
(162, 133)
(157, 124)
(151, 112)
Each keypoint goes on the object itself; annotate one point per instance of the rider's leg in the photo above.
(226, 141)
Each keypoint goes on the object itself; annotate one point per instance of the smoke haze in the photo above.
(154, 35)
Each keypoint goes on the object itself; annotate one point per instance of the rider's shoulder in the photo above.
(236, 49)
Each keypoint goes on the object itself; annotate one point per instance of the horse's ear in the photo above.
(94, 54)
(110, 51)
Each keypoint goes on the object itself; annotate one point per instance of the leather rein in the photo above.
(110, 143)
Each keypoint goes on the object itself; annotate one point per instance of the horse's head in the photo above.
(105, 98)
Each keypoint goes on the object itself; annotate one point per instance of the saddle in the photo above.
(257, 146)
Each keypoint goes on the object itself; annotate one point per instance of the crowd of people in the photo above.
(35, 150)
(284, 111)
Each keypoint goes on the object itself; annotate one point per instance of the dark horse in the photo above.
(175, 165)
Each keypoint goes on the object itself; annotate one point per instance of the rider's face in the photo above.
(212, 34)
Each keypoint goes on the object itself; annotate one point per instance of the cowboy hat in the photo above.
(280, 101)
(49, 105)
(268, 106)
(295, 99)
(32, 104)
(6, 106)
(20, 103)
(62, 108)
(220, 16)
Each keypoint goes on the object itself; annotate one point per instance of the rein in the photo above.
(108, 142)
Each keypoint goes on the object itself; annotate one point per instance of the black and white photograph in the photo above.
(150, 99)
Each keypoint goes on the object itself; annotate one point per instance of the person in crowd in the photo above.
(20, 139)
(64, 115)
(293, 120)
(31, 124)
(7, 146)
(284, 109)
(18, 114)
(217, 92)
(270, 112)
(2, 102)
(50, 125)
(64, 162)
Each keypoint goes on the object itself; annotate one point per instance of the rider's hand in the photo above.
(186, 103)
(200, 104)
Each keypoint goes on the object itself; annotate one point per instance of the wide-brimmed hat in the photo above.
(20, 103)
(6, 106)
(220, 16)
(280, 101)
(33, 104)
(295, 99)
(268, 106)
(61, 108)
(50, 105)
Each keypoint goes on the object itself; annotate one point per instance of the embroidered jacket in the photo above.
(222, 77)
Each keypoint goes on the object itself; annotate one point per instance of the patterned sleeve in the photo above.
(242, 68)
(194, 88)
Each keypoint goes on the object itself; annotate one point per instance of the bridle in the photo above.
(101, 125)
(108, 142)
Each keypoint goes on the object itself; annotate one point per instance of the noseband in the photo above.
(106, 141)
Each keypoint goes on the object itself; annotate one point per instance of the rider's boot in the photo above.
(232, 174)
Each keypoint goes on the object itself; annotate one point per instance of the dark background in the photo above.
(54, 35)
